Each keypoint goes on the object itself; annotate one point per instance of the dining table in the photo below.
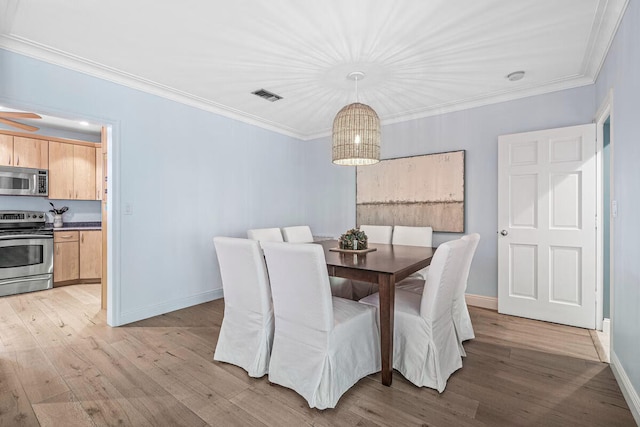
(386, 266)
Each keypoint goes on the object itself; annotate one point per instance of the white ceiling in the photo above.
(420, 57)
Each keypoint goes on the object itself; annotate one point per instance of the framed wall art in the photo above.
(425, 190)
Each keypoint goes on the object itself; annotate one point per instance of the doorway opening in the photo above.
(74, 152)
(606, 212)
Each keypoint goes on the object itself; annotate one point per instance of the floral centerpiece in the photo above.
(354, 239)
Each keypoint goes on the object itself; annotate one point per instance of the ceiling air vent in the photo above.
(265, 94)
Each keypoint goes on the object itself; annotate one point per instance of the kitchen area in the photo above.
(51, 191)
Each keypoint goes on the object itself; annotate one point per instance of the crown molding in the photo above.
(603, 31)
(58, 57)
(468, 103)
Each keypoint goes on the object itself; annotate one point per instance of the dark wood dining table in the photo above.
(386, 266)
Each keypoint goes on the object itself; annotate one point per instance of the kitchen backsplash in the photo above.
(79, 210)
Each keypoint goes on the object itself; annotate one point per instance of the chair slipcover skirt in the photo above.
(462, 320)
(322, 345)
(247, 327)
(245, 340)
(425, 354)
(321, 366)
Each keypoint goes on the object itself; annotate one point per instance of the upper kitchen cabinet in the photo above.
(23, 152)
(6, 150)
(72, 171)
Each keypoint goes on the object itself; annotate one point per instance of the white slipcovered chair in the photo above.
(461, 318)
(378, 233)
(340, 287)
(414, 236)
(265, 234)
(322, 344)
(297, 234)
(375, 234)
(425, 348)
(247, 328)
(460, 312)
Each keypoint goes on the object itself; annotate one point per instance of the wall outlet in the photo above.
(128, 209)
(614, 208)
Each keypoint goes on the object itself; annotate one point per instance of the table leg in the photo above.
(386, 283)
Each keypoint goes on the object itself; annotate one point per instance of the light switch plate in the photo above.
(128, 209)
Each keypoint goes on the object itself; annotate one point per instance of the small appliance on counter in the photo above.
(26, 252)
(23, 181)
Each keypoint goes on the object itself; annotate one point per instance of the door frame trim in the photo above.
(604, 111)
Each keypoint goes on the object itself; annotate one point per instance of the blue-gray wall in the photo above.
(621, 72)
(188, 174)
(476, 131)
(606, 219)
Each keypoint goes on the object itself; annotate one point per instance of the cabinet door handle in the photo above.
(18, 161)
(82, 238)
(57, 249)
(65, 237)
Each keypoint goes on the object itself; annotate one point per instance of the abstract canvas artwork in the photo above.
(413, 191)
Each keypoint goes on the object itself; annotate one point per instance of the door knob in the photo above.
(504, 232)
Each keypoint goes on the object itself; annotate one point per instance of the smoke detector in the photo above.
(515, 76)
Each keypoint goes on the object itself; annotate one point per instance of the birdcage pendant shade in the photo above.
(356, 136)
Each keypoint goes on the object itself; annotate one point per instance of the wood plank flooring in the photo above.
(60, 365)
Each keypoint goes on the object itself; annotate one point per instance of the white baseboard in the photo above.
(606, 326)
(167, 307)
(630, 394)
(481, 301)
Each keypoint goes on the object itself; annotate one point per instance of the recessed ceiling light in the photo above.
(515, 76)
(83, 123)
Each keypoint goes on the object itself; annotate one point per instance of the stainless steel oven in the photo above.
(26, 252)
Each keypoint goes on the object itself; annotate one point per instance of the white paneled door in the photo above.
(547, 225)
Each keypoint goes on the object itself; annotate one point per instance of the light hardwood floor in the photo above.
(60, 365)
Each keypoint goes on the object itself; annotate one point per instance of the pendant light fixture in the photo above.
(356, 132)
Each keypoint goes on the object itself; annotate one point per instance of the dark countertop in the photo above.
(68, 226)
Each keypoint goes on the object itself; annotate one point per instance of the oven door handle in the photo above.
(25, 236)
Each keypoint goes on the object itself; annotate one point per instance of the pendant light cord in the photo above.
(356, 77)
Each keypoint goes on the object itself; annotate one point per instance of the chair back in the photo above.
(297, 234)
(472, 241)
(442, 281)
(244, 274)
(378, 233)
(300, 285)
(412, 236)
(265, 234)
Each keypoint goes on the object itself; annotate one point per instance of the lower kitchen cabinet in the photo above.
(66, 256)
(90, 254)
(77, 256)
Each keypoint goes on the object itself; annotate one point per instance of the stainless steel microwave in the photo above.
(23, 181)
